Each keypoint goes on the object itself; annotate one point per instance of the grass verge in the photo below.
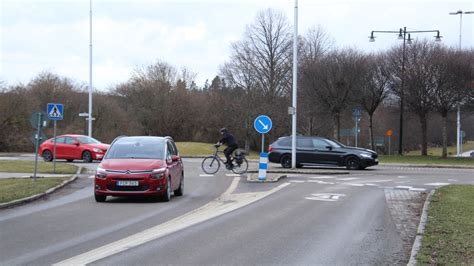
(448, 238)
(18, 188)
(203, 149)
(21, 166)
(434, 160)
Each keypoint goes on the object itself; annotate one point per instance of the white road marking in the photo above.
(354, 184)
(325, 197)
(91, 176)
(401, 176)
(417, 189)
(453, 180)
(205, 175)
(381, 181)
(233, 175)
(322, 177)
(348, 178)
(321, 182)
(370, 184)
(437, 184)
(227, 202)
(296, 181)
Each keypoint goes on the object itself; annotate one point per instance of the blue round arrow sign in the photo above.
(262, 124)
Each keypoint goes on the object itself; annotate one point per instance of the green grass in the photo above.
(433, 160)
(452, 150)
(18, 188)
(449, 232)
(22, 166)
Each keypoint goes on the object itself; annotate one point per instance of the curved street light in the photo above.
(402, 35)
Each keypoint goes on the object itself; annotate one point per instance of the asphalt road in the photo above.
(365, 217)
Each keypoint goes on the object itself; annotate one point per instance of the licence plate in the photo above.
(127, 183)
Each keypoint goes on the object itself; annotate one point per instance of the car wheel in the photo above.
(180, 190)
(100, 198)
(286, 161)
(87, 156)
(47, 156)
(167, 196)
(352, 163)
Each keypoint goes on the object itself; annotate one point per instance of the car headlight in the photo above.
(97, 150)
(101, 173)
(158, 173)
(365, 155)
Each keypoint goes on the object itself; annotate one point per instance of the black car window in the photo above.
(60, 139)
(304, 143)
(70, 140)
(320, 144)
(284, 142)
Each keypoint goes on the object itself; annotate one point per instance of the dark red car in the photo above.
(72, 147)
(140, 166)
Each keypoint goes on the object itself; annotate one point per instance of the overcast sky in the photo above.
(54, 35)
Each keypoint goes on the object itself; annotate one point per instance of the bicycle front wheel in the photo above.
(210, 165)
(241, 168)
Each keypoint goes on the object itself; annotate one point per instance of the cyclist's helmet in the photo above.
(223, 130)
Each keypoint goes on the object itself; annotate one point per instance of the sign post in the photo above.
(389, 134)
(356, 113)
(37, 120)
(263, 124)
(55, 112)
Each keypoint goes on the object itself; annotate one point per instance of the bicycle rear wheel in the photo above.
(241, 168)
(210, 165)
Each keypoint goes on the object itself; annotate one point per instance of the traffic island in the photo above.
(276, 175)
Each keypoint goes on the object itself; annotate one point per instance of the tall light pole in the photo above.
(458, 130)
(89, 118)
(402, 35)
(295, 78)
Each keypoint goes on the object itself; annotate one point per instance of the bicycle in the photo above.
(211, 164)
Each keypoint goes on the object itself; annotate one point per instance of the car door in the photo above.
(325, 153)
(72, 148)
(304, 150)
(60, 147)
(173, 165)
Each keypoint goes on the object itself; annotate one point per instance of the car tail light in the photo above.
(270, 148)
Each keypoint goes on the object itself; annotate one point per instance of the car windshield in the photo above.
(137, 148)
(87, 140)
(335, 143)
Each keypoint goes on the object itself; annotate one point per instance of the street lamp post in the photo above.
(458, 130)
(90, 71)
(402, 35)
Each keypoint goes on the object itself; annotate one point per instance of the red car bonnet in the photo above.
(132, 164)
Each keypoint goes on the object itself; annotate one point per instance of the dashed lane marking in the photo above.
(321, 182)
(354, 184)
(381, 181)
(232, 175)
(296, 181)
(205, 175)
(91, 176)
(322, 177)
(348, 178)
(437, 184)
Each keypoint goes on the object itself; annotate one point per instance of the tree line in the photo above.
(430, 78)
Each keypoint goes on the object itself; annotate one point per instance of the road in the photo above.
(365, 217)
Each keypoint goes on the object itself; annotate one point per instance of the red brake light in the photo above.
(270, 148)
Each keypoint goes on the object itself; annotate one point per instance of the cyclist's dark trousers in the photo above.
(228, 152)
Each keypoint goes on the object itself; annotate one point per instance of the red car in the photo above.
(72, 147)
(140, 166)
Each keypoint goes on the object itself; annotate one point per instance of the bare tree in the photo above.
(451, 75)
(374, 89)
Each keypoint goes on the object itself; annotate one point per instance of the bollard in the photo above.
(262, 167)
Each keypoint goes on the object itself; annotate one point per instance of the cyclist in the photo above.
(229, 140)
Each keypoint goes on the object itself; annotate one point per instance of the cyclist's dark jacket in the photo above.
(228, 139)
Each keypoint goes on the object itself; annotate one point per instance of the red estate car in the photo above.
(140, 166)
(71, 147)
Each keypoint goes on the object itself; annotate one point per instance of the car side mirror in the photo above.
(174, 158)
(76, 143)
(329, 148)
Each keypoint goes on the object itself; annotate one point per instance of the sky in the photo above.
(53, 35)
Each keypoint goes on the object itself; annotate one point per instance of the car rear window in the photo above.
(137, 148)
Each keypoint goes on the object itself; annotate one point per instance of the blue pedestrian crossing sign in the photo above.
(262, 124)
(55, 111)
